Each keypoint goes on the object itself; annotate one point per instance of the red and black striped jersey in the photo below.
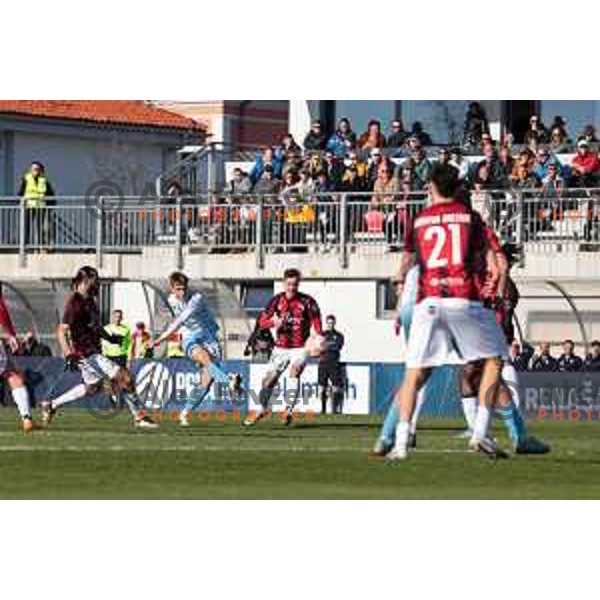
(298, 314)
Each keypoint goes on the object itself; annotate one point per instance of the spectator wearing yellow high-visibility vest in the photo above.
(174, 348)
(119, 351)
(36, 189)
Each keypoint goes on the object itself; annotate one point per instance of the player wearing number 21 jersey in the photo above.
(450, 324)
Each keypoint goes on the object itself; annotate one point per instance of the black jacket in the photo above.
(569, 363)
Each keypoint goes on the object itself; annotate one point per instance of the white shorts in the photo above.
(96, 367)
(447, 331)
(293, 356)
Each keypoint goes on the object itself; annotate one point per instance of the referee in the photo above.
(330, 368)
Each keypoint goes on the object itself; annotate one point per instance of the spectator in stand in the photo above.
(490, 158)
(589, 135)
(559, 125)
(407, 177)
(375, 161)
(36, 189)
(385, 186)
(421, 135)
(372, 138)
(592, 360)
(398, 137)
(306, 186)
(422, 169)
(444, 156)
(288, 145)
(553, 184)
(458, 161)
(315, 139)
(559, 142)
(268, 184)
(476, 125)
(506, 164)
(536, 134)
(522, 174)
(268, 157)
(240, 185)
(585, 166)
(343, 140)
(292, 160)
(544, 361)
(333, 168)
(314, 164)
(543, 162)
(326, 212)
(568, 360)
(354, 177)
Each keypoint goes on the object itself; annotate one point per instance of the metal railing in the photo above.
(343, 224)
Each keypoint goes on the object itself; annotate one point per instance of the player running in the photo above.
(80, 334)
(199, 331)
(447, 238)
(13, 377)
(293, 315)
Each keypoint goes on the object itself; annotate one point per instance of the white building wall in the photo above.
(74, 163)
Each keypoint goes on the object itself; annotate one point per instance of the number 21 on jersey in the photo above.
(447, 246)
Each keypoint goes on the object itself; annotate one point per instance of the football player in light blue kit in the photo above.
(199, 331)
(406, 305)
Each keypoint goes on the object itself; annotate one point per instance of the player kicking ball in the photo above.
(447, 239)
(12, 376)
(199, 332)
(80, 334)
(293, 315)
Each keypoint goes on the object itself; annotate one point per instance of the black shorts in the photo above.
(331, 372)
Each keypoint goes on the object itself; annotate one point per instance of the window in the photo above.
(255, 295)
(387, 300)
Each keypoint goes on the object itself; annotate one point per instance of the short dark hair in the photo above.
(330, 317)
(178, 278)
(445, 178)
(596, 343)
(118, 310)
(568, 341)
(291, 274)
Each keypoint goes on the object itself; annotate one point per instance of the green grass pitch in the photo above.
(81, 457)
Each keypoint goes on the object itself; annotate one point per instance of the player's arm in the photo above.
(63, 333)
(180, 320)
(503, 270)
(315, 317)
(269, 318)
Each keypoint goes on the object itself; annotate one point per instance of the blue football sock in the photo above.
(514, 423)
(388, 429)
(197, 396)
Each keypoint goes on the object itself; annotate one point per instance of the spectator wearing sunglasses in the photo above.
(315, 139)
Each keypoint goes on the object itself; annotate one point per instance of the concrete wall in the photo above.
(75, 163)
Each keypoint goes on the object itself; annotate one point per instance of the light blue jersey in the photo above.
(196, 323)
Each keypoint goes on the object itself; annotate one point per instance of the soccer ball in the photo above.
(315, 345)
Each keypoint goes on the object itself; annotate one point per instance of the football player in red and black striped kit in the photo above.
(293, 315)
(13, 377)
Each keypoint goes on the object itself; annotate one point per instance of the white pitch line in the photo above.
(150, 449)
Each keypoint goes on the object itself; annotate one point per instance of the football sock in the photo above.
(75, 393)
(133, 402)
(323, 400)
(513, 421)
(509, 375)
(469, 405)
(402, 431)
(417, 411)
(292, 392)
(21, 398)
(196, 398)
(482, 423)
(388, 430)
